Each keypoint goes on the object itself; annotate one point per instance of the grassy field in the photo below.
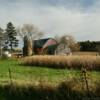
(27, 74)
(34, 74)
(42, 83)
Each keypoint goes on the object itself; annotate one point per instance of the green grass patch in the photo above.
(27, 74)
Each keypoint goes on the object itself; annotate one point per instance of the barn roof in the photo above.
(40, 43)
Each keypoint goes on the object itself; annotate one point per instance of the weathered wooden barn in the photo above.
(45, 46)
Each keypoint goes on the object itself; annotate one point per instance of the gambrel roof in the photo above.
(43, 43)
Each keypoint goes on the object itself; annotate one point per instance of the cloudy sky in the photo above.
(80, 18)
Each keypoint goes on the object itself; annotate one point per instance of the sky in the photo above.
(79, 18)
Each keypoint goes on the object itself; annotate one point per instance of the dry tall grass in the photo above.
(70, 62)
(86, 53)
(67, 90)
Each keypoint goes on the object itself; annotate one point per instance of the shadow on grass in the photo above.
(62, 92)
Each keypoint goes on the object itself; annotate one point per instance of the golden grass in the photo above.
(86, 53)
(70, 62)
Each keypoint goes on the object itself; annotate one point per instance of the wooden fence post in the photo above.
(10, 76)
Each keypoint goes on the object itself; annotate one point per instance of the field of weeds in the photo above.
(69, 62)
(65, 91)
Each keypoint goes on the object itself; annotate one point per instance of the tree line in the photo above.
(89, 46)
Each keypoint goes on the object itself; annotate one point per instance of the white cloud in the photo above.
(53, 20)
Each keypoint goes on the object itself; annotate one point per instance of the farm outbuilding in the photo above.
(62, 49)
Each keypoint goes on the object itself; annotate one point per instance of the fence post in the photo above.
(84, 74)
(10, 76)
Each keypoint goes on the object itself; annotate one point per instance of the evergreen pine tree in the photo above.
(11, 36)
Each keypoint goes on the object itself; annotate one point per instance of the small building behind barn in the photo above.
(62, 49)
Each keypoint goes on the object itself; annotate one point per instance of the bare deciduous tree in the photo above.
(69, 41)
(3, 38)
(29, 32)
